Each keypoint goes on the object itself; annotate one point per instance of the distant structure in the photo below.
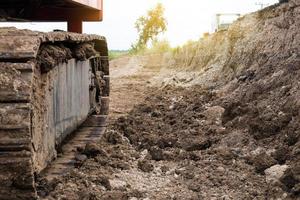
(262, 5)
(224, 20)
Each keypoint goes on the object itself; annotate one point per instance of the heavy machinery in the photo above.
(50, 83)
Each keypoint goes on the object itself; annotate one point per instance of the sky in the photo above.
(187, 20)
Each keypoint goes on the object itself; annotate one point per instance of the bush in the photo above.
(158, 46)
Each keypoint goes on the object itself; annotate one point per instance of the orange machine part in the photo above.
(75, 25)
(75, 13)
(89, 3)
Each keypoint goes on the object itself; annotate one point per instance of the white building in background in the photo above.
(223, 20)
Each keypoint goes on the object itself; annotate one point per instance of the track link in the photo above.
(90, 130)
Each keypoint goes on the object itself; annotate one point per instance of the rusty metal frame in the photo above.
(85, 10)
(96, 4)
(72, 11)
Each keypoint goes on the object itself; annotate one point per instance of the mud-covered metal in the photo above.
(38, 109)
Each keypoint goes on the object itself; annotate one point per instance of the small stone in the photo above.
(81, 157)
(274, 173)
(117, 184)
(284, 195)
(220, 169)
(214, 114)
(144, 153)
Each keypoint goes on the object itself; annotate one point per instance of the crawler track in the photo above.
(43, 100)
(90, 130)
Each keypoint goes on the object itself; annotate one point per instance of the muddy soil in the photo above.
(238, 139)
(235, 142)
(179, 144)
(51, 55)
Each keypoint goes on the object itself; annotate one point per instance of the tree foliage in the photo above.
(150, 26)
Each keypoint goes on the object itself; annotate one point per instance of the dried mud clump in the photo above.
(50, 55)
(145, 166)
(93, 149)
(84, 51)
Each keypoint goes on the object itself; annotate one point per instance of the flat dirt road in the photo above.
(130, 78)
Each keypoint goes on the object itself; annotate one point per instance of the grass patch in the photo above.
(114, 54)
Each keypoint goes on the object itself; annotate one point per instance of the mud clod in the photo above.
(145, 166)
(262, 161)
(103, 180)
(84, 51)
(114, 137)
(282, 154)
(156, 153)
(50, 55)
(115, 195)
(291, 177)
(93, 149)
(196, 144)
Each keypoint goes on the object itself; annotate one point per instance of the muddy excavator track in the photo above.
(43, 99)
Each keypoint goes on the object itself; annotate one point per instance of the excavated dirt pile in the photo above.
(257, 40)
(236, 139)
(181, 144)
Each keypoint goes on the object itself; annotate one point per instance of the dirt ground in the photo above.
(129, 84)
(176, 137)
(188, 143)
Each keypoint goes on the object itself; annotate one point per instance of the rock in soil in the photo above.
(275, 173)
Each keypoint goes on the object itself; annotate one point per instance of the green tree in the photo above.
(150, 26)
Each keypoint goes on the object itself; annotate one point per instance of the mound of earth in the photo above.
(182, 144)
(256, 40)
